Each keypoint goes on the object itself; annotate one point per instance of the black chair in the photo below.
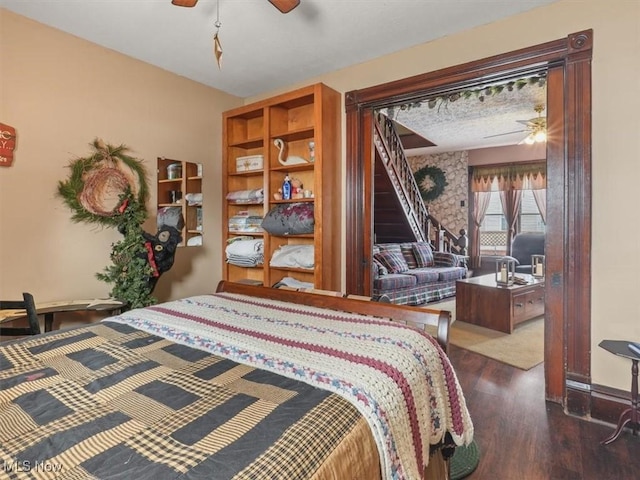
(523, 246)
(27, 304)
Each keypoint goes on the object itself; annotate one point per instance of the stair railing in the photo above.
(389, 146)
(391, 151)
(446, 241)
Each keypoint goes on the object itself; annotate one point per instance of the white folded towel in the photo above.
(299, 256)
(245, 247)
(193, 198)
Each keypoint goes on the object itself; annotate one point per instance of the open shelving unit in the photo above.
(188, 181)
(309, 114)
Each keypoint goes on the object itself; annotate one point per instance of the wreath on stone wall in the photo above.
(438, 179)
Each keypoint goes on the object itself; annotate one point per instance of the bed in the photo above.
(246, 383)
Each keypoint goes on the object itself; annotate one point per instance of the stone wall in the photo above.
(446, 207)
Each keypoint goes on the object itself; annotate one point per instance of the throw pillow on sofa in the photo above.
(445, 259)
(392, 260)
(423, 254)
(379, 267)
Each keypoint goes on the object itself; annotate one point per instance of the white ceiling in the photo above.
(264, 50)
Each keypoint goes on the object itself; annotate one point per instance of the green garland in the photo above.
(107, 169)
(130, 269)
(438, 178)
(481, 94)
(489, 91)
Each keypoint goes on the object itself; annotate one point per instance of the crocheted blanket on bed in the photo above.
(398, 378)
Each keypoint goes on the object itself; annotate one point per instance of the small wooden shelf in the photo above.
(248, 173)
(249, 143)
(250, 234)
(293, 135)
(293, 200)
(245, 204)
(176, 181)
(190, 181)
(294, 168)
(293, 269)
(302, 235)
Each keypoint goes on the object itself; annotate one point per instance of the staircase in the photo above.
(400, 214)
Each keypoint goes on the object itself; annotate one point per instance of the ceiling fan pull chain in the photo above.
(217, 46)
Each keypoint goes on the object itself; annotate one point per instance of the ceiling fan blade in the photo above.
(285, 6)
(185, 3)
(506, 133)
(533, 121)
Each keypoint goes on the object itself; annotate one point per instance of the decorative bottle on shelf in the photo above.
(286, 188)
(312, 152)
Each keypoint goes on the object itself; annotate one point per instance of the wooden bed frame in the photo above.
(414, 316)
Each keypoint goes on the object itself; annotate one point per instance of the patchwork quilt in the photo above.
(222, 386)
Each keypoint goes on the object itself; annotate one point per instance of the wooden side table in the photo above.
(630, 415)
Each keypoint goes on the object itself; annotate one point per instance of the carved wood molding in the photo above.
(568, 158)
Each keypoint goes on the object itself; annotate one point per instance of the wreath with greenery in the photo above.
(97, 185)
(109, 188)
(438, 179)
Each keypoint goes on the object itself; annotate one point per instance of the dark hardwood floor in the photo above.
(522, 437)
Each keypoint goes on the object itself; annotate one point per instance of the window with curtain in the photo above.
(514, 201)
(494, 227)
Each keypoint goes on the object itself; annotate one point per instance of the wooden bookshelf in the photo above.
(309, 114)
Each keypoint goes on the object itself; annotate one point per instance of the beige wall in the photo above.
(63, 92)
(60, 92)
(508, 154)
(616, 148)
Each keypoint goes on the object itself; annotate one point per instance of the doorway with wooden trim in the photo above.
(567, 64)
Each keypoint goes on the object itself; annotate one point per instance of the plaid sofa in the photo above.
(412, 274)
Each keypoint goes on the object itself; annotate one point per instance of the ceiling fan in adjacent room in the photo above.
(537, 128)
(285, 6)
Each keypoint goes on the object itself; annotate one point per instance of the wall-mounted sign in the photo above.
(7, 144)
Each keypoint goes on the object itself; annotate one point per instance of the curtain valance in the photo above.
(510, 177)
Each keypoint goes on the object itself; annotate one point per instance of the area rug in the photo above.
(523, 349)
(464, 461)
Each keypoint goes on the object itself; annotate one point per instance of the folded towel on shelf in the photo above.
(297, 256)
(246, 196)
(245, 247)
(195, 241)
(193, 199)
(245, 221)
(245, 261)
(293, 283)
(245, 253)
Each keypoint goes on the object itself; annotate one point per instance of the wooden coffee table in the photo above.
(480, 301)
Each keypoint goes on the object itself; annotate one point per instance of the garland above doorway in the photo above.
(480, 93)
